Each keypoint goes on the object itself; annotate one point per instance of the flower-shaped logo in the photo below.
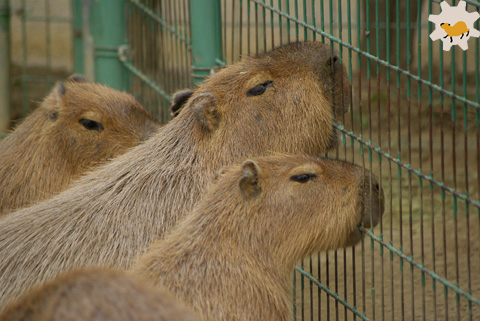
(454, 25)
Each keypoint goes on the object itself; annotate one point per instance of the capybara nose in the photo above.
(373, 201)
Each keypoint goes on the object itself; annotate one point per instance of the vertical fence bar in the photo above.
(4, 65)
(108, 29)
(206, 33)
(78, 59)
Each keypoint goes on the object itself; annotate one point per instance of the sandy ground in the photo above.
(385, 292)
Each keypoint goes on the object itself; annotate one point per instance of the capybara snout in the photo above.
(373, 201)
(370, 202)
(353, 195)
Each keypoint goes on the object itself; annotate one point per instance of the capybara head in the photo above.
(305, 204)
(297, 89)
(79, 125)
(93, 122)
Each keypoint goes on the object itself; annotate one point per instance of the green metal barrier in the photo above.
(39, 34)
(159, 36)
(206, 37)
(415, 123)
(78, 37)
(4, 66)
(108, 22)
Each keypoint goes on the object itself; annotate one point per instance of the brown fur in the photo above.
(50, 149)
(97, 296)
(110, 216)
(233, 257)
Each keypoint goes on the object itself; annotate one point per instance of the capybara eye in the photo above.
(91, 124)
(302, 178)
(259, 89)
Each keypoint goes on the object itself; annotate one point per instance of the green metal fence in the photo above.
(414, 122)
(38, 52)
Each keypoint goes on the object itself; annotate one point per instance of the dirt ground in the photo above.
(385, 292)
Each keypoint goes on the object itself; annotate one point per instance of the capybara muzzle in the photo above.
(373, 201)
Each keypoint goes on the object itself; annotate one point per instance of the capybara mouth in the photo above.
(332, 142)
(355, 236)
(372, 206)
(373, 201)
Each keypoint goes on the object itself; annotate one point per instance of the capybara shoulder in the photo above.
(80, 124)
(239, 246)
(97, 295)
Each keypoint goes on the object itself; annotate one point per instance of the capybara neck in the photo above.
(213, 272)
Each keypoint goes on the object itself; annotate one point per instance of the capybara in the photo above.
(282, 101)
(458, 29)
(233, 257)
(97, 295)
(79, 125)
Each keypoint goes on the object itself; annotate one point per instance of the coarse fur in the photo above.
(232, 258)
(110, 216)
(51, 148)
(97, 295)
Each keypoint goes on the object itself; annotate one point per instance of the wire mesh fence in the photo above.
(40, 51)
(414, 122)
(159, 38)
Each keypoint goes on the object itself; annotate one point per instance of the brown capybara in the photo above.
(232, 258)
(97, 295)
(79, 125)
(281, 101)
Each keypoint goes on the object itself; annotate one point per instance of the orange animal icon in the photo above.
(460, 28)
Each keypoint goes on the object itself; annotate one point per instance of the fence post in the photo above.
(4, 65)
(108, 21)
(206, 33)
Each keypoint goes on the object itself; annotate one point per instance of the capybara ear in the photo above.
(54, 101)
(249, 182)
(333, 62)
(179, 100)
(60, 89)
(205, 109)
(77, 78)
(340, 92)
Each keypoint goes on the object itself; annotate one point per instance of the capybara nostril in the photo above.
(335, 59)
(373, 201)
